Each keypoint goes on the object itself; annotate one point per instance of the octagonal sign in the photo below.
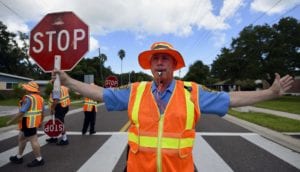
(53, 128)
(111, 82)
(59, 34)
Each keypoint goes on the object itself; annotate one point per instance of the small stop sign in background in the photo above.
(53, 128)
(111, 81)
(62, 34)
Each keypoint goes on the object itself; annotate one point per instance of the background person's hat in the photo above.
(31, 86)
(160, 47)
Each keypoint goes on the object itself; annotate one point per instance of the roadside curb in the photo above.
(268, 111)
(284, 140)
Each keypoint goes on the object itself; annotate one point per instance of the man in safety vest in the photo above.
(59, 106)
(90, 110)
(30, 117)
(163, 113)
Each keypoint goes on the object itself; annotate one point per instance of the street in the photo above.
(219, 146)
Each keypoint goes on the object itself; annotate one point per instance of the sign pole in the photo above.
(56, 85)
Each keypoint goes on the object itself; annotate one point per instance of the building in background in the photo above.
(8, 81)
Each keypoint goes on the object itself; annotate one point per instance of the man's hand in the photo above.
(63, 76)
(281, 85)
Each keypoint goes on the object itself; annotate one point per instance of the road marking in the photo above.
(97, 133)
(125, 127)
(198, 133)
(4, 156)
(226, 134)
(279, 151)
(206, 159)
(8, 134)
(107, 156)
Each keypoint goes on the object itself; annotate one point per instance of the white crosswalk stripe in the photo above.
(108, 155)
(5, 155)
(205, 158)
(281, 152)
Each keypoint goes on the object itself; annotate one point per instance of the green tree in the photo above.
(198, 72)
(14, 57)
(226, 66)
(90, 66)
(260, 51)
(285, 48)
(121, 54)
(102, 60)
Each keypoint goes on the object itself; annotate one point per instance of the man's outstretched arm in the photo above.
(278, 88)
(91, 91)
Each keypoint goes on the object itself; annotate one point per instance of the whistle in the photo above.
(159, 74)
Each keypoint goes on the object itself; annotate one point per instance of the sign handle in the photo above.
(56, 85)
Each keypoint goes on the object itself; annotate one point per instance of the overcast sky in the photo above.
(196, 28)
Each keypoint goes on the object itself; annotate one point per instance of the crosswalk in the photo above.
(205, 157)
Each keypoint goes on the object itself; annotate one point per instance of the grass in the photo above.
(289, 104)
(280, 124)
(3, 120)
(77, 104)
(9, 102)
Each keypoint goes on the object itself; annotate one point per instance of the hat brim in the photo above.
(145, 58)
(29, 88)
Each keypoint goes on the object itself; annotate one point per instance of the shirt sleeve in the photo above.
(55, 95)
(213, 102)
(116, 100)
(25, 105)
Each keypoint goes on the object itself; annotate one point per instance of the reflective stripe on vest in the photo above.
(136, 106)
(33, 115)
(190, 107)
(64, 97)
(89, 104)
(168, 143)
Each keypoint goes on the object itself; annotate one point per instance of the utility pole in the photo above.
(101, 64)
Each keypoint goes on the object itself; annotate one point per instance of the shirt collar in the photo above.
(170, 88)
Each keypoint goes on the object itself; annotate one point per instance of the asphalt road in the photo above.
(220, 146)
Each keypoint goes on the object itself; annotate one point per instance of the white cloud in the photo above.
(150, 17)
(94, 44)
(15, 24)
(219, 39)
(273, 7)
(229, 8)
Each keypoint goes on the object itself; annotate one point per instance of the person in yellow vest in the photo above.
(164, 112)
(59, 107)
(30, 118)
(90, 110)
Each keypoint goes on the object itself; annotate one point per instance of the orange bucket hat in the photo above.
(160, 47)
(31, 86)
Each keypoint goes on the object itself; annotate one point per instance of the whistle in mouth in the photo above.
(159, 74)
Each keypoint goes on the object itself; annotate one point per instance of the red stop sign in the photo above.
(61, 34)
(53, 129)
(111, 81)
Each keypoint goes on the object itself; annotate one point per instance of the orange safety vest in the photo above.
(89, 104)
(34, 114)
(64, 99)
(162, 142)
